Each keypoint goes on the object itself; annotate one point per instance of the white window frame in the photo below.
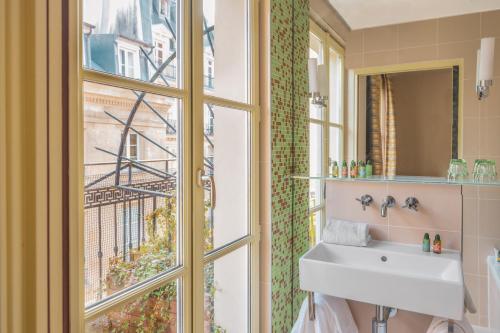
(328, 44)
(134, 66)
(137, 146)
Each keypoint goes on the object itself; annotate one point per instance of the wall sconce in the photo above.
(484, 70)
(318, 82)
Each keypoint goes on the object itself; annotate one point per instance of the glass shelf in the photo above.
(401, 179)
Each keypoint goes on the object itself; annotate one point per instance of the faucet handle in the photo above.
(365, 200)
(411, 203)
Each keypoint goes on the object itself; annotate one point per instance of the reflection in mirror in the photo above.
(408, 121)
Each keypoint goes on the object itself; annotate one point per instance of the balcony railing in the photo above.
(208, 81)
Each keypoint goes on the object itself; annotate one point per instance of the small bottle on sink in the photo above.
(436, 246)
(426, 244)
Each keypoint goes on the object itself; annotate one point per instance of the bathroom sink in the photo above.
(389, 274)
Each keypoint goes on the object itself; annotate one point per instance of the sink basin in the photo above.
(389, 274)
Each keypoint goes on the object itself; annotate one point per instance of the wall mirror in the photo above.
(408, 118)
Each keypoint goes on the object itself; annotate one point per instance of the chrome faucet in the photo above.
(411, 203)
(389, 202)
(365, 200)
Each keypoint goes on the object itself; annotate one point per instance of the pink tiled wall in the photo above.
(440, 210)
(449, 38)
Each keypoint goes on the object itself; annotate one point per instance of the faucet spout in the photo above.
(389, 202)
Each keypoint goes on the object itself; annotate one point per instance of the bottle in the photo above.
(369, 168)
(426, 244)
(345, 172)
(335, 169)
(436, 246)
(361, 169)
(354, 169)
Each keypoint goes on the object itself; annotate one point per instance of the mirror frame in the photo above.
(351, 136)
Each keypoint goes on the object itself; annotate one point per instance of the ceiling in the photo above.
(360, 14)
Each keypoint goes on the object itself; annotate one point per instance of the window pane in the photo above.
(315, 162)
(315, 228)
(136, 27)
(336, 77)
(335, 144)
(130, 227)
(227, 293)
(315, 51)
(226, 154)
(156, 311)
(225, 34)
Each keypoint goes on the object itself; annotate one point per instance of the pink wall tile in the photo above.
(450, 239)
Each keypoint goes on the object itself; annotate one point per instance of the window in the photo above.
(163, 252)
(159, 53)
(133, 146)
(325, 124)
(127, 62)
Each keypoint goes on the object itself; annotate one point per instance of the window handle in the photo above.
(201, 180)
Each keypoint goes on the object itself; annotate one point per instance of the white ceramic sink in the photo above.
(389, 274)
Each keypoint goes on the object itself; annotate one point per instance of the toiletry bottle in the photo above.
(354, 169)
(361, 169)
(436, 246)
(345, 172)
(369, 168)
(335, 169)
(426, 244)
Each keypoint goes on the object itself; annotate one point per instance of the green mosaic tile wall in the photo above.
(290, 154)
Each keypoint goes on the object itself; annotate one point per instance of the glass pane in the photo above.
(315, 51)
(130, 226)
(335, 145)
(315, 162)
(227, 293)
(226, 34)
(315, 228)
(226, 155)
(335, 102)
(128, 37)
(155, 311)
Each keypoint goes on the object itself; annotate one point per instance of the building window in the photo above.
(133, 146)
(326, 128)
(127, 62)
(159, 53)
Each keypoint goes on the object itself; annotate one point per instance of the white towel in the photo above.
(440, 325)
(346, 233)
(332, 316)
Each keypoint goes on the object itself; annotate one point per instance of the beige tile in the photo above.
(354, 60)
(341, 202)
(470, 191)
(470, 216)
(354, 42)
(416, 54)
(472, 283)
(383, 58)
(490, 136)
(430, 214)
(417, 33)
(379, 232)
(470, 264)
(471, 136)
(450, 240)
(483, 296)
(470, 101)
(486, 246)
(459, 28)
(489, 24)
(380, 39)
(489, 192)
(465, 50)
(489, 218)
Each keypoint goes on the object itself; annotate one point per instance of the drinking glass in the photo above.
(457, 170)
(484, 171)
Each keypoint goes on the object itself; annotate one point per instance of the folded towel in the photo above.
(346, 233)
(440, 325)
(332, 316)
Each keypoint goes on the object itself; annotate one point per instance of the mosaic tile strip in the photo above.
(289, 153)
